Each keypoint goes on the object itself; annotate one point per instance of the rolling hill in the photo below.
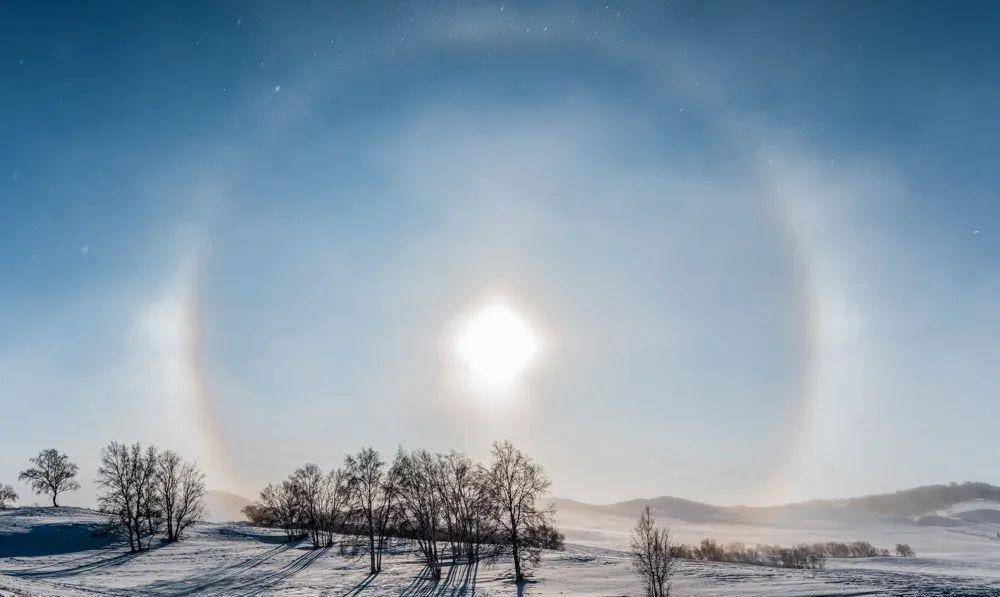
(967, 509)
(223, 506)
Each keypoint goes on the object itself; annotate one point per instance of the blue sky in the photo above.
(759, 239)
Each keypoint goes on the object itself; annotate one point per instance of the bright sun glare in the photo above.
(496, 345)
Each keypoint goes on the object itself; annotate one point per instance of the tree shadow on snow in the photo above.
(238, 534)
(460, 581)
(54, 539)
(82, 565)
(361, 586)
(519, 587)
(275, 577)
(241, 579)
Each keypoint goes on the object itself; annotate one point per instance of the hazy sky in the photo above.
(760, 241)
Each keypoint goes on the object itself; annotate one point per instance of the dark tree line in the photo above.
(146, 492)
(812, 555)
(451, 509)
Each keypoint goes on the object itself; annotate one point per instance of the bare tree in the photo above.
(260, 515)
(119, 499)
(323, 499)
(515, 484)
(152, 511)
(905, 551)
(53, 473)
(127, 476)
(373, 491)
(466, 505)
(422, 503)
(651, 558)
(334, 504)
(282, 505)
(307, 484)
(180, 488)
(7, 496)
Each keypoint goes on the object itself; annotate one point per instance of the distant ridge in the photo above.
(920, 500)
(223, 506)
(674, 507)
(910, 504)
(917, 504)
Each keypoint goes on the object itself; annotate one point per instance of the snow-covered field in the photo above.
(966, 540)
(47, 552)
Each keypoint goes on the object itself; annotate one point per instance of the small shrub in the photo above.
(799, 556)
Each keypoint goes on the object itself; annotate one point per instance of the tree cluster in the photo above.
(452, 509)
(146, 492)
(308, 503)
(797, 556)
(854, 549)
(811, 556)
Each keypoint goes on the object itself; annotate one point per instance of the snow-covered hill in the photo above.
(56, 553)
(909, 504)
(934, 519)
(223, 506)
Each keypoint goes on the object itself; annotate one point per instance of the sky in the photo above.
(758, 242)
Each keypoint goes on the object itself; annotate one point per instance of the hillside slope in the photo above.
(939, 518)
(223, 506)
(906, 504)
(229, 560)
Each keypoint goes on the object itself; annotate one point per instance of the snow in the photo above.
(968, 506)
(53, 552)
(610, 528)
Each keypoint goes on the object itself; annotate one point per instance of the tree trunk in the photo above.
(378, 553)
(371, 551)
(54, 504)
(518, 575)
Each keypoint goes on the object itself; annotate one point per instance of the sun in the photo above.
(496, 345)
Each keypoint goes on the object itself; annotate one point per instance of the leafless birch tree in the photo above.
(421, 503)
(7, 496)
(323, 499)
(334, 504)
(467, 506)
(282, 505)
(516, 484)
(127, 476)
(651, 558)
(52, 473)
(373, 492)
(180, 488)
